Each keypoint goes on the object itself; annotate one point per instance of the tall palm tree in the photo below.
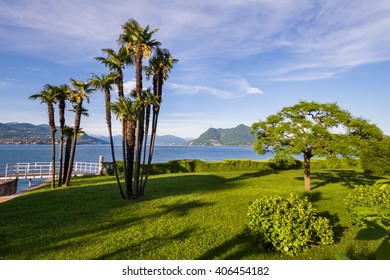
(124, 111)
(105, 83)
(160, 65)
(139, 42)
(81, 92)
(48, 96)
(116, 62)
(64, 91)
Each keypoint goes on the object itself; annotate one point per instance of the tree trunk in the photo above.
(306, 165)
(140, 120)
(76, 131)
(68, 148)
(53, 158)
(129, 134)
(62, 124)
(50, 110)
(109, 127)
(157, 91)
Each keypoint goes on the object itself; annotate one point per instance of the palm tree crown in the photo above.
(135, 38)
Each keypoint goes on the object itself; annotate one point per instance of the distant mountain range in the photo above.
(165, 140)
(240, 135)
(26, 133)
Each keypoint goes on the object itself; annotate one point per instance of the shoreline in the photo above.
(24, 191)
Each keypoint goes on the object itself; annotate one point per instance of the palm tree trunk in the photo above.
(130, 151)
(151, 148)
(144, 167)
(53, 159)
(157, 90)
(108, 120)
(62, 124)
(68, 148)
(76, 131)
(50, 110)
(140, 119)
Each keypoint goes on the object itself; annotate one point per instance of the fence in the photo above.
(45, 169)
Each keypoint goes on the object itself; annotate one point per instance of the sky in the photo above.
(239, 60)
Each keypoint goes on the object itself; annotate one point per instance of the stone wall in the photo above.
(8, 187)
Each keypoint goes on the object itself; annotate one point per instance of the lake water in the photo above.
(91, 153)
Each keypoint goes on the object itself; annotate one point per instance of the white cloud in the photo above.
(238, 88)
(252, 90)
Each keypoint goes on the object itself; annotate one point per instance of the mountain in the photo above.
(240, 135)
(27, 133)
(164, 140)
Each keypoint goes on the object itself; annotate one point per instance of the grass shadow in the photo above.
(347, 178)
(236, 248)
(123, 253)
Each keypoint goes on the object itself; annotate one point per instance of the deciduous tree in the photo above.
(313, 129)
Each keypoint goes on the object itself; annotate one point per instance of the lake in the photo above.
(91, 153)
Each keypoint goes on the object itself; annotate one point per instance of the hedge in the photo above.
(187, 166)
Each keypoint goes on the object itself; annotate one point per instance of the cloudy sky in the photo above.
(239, 60)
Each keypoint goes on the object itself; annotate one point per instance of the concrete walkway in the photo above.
(26, 190)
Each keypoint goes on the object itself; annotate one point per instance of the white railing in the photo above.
(44, 169)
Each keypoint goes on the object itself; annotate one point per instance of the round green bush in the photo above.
(370, 203)
(376, 158)
(289, 225)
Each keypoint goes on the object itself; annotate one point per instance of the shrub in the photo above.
(369, 207)
(370, 203)
(289, 225)
(376, 158)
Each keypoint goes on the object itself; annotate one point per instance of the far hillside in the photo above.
(240, 135)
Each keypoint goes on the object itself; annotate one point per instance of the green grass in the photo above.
(182, 216)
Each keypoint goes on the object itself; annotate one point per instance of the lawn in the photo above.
(182, 216)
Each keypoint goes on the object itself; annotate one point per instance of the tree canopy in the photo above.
(313, 129)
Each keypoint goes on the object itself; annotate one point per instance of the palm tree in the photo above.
(48, 96)
(125, 112)
(64, 91)
(104, 83)
(139, 42)
(160, 65)
(82, 91)
(116, 62)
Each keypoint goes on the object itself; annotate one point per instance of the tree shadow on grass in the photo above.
(348, 178)
(236, 248)
(182, 209)
(157, 242)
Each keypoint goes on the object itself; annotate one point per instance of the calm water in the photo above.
(90, 153)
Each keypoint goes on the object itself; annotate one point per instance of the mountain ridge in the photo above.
(27, 133)
(240, 135)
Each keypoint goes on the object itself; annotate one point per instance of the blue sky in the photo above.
(239, 61)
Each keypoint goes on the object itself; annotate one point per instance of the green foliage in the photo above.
(370, 203)
(108, 168)
(229, 165)
(289, 225)
(308, 127)
(376, 157)
(370, 207)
